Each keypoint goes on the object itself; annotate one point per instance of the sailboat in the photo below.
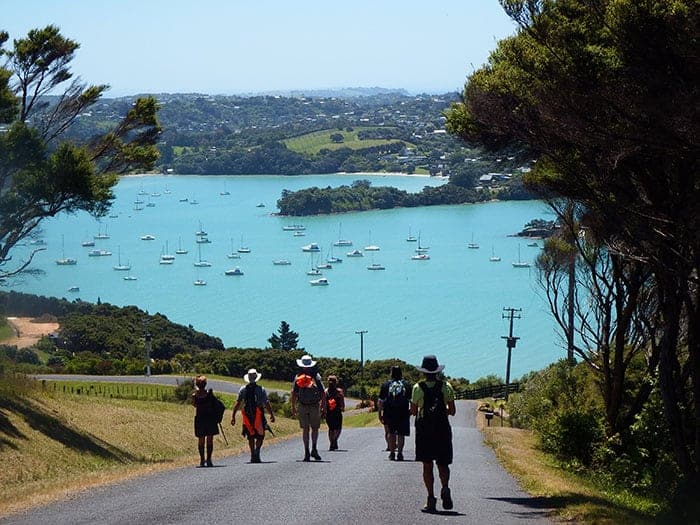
(102, 235)
(371, 247)
(494, 257)
(520, 263)
(165, 257)
(233, 254)
(200, 263)
(243, 248)
(87, 242)
(341, 241)
(199, 282)
(65, 261)
(225, 191)
(472, 245)
(420, 248)
(332, 259)
(313, 270)
(180, 250)
(410, 237)
(119, 266)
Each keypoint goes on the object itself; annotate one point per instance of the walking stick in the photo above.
(223, 435)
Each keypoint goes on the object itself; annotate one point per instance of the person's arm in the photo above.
(293, 402)
(415, 395)
(269, 409)
(236, 407)
(341, 400)
(380, 410)
(450, 397)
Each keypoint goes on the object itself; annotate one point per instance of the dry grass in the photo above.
(53, 444)
(573, 499)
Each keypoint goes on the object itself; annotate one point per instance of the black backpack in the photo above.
(217, 408)
(397, 396)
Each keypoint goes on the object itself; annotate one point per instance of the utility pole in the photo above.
(510, 341)
(148, 354)
(362, 363)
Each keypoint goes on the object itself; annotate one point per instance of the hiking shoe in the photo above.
(209, 463)
(392, 456)
(399, 457)
(315, 455)
(446, 498)
(430, 505)
(202, 464)
(307, 456)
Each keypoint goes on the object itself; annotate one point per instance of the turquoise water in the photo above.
(451, 305)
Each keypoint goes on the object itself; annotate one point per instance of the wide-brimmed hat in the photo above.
(430, 365)
(306, 361)
(252, 372)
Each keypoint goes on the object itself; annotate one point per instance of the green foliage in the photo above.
(183, 391)
(314, 201)
(286, 340)
(43, 173)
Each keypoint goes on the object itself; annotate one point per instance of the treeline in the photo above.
(361, 196)
(275, 158)
(104, 339)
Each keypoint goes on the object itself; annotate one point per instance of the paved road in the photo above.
(355, 485)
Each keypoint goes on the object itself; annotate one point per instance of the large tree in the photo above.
(287, 339)
(605, 93)
(42, 175)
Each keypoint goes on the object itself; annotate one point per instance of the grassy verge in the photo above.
(574, 498)
(54, 443)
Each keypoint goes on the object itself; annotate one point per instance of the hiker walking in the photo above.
(309, 402)
(253, 398)
(335, 405)
(206, 425)
(432, 401)
(395, 412)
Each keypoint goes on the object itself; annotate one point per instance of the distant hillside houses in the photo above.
(493, 178)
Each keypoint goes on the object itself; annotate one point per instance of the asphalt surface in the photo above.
(354, 485)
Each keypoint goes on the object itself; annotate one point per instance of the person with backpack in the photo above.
(335, 405)
(308, 401)
(432, 402)
(395, 412)
(253, 398)
(206, 425)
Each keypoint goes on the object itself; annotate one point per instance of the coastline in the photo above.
(340, 173)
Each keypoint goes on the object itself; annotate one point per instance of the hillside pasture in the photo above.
(313, 143)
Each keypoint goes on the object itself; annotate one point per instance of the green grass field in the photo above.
(312, 143)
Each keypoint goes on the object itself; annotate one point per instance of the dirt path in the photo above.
(27, 332)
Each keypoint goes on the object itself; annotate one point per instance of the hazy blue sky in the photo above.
(235, 46)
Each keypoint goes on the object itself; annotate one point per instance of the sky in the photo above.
(252, 46)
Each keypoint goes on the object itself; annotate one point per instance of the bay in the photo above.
(451, 305)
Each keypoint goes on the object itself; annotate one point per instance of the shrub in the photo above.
(573, 435)
(183, 391)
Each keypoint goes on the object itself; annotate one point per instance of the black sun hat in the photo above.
(430, 365)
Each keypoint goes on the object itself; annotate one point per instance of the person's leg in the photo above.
(257, 447)
(392, 445)
(251, 446)
(400, 441)
(429, 480)
(386, 437)
(445, 495)
(314, 441)
(200, 447)
(210, 449)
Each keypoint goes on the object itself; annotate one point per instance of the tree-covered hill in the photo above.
(288, 135)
